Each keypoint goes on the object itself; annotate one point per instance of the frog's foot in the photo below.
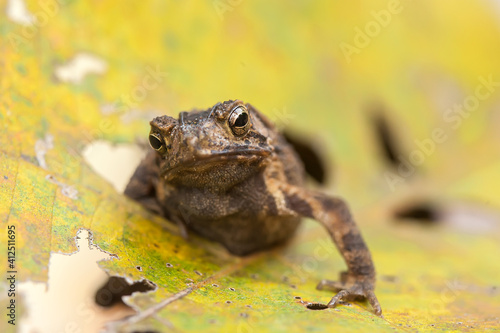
(352, 288)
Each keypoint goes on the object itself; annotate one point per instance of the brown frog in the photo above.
(227, 174)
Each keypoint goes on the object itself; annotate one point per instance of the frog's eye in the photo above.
(155, 141)
(239, 120)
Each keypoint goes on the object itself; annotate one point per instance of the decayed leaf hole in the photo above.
(104, 157)
(317, 306)
(116, 287)
(50, 309)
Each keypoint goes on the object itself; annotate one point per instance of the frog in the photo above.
(228, 174)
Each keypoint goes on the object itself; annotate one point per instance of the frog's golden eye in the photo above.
(239, 120)
(155, 141)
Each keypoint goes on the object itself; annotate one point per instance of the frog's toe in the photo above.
(372, 299)
(346, 292)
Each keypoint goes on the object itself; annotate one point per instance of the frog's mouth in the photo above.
(206, 165)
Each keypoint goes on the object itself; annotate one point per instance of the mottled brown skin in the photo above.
(227, 174)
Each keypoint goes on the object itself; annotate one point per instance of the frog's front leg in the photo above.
(144, 188)
(142, 184)
(359, 280)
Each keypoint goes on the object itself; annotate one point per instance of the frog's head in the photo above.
(216, 148)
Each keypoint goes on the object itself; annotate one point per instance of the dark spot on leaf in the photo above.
(311, 158)
(199, 273)
(228, 302)
(389, 278)
(169, 265)
(423, 213)
(139, 268)
(232, 289)
(298, 297)
(317, 306)
(293, 286)
(116, 287)
(386, 139)
(215, 285)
